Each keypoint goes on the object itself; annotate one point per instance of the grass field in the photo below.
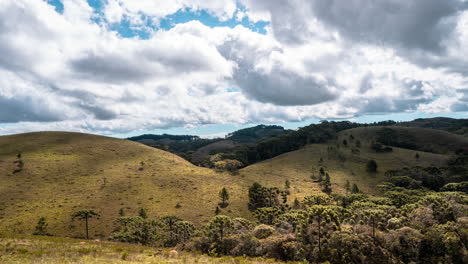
(67, 172)
(50, 250)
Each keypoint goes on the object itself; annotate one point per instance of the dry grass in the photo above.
(48, 250)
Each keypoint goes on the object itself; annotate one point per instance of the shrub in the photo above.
(263, 231)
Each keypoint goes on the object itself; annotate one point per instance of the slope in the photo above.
(66, 172)
(341, 162)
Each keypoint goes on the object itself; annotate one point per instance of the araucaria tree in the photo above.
(85, 215)
(319, 221)
(219, 227)
(224, 196)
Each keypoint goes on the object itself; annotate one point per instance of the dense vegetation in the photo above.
(403, 226)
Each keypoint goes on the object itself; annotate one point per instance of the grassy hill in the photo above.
(66, 172)
(423, 139)
(340, 162)
(457, 126)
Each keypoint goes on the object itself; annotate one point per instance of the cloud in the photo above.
(318, 59)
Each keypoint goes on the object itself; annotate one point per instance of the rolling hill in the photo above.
(67, 172)
(456, 126)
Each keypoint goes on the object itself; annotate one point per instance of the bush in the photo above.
(263, 231)
(371, 166)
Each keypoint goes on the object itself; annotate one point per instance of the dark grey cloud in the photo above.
(99, 112)
(390, 105)
(110, 68)
(282, 87)
(277, 85)
(411, 96)
(27, 108)
(415, 24)
(462, 104)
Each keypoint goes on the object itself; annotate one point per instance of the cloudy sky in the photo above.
(125, 67)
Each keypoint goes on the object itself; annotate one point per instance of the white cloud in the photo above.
(65, 72)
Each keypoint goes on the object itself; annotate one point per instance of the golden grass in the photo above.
(50, 250)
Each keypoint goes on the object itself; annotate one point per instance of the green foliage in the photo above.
(41, 227)
(317, 199)
(355, 189)
(121, 212)
(456, 187)
(224, 196)
(142, 213)
(319, 222)
(228, 165)
(327, 184)
(85, 215)
(178, 233)
(375, 217)
(260, 196)
(219, 227)
(371, 166)
(135, 229)
(267, 215)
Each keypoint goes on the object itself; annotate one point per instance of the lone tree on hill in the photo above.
(371, 166)
(85, 215)
(224, 196)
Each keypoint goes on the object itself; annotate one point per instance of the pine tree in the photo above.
(348, 186)
(371, 166)
(322, 171)
(287, 185)
(327, 184)
(41, 228)
(142, 213)
(355, 189)
(224, 196)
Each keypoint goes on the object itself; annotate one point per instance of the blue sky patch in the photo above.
(127, 30)
(57, 4)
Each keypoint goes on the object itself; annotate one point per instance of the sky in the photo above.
(208, 67)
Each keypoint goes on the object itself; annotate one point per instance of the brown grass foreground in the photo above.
(53, 250)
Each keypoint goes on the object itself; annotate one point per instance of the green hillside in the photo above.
(423, 139)
(456, 126)
(340, 162)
